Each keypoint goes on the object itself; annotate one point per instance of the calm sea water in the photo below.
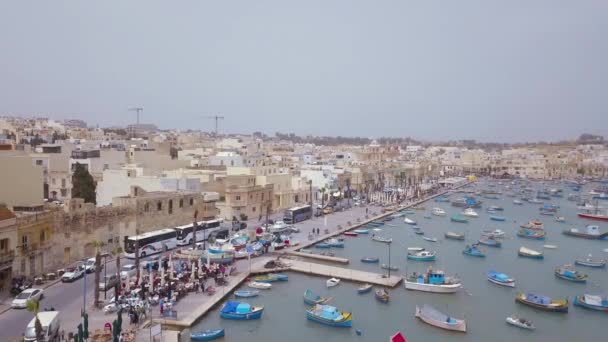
(484, 305)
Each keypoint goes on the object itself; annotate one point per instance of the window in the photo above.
(64, 192)
(181, 203)
(250, 196)
(41, 236)
(63, 182)
(159, 206)
(170, 206)
(253, 209)
(4, 245)
(238, 197)
(191, 201)
(147, 207)
(39, 162)
(53, 181)
(262, 196)
(24, 242)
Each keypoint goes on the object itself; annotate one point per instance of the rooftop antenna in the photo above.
(216, 118)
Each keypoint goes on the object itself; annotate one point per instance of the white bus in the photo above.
(185, 232)
(151, 242)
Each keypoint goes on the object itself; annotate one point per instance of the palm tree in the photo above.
(33, 306)
(98, 245)
(322, 197)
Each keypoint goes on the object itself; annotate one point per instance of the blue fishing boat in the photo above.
(361, 231)
(207, 335)
(329, 315)
(376, 223)
(370, 260)
(382, 296)
(497, 218)
(312, 298)
(567, 272)
(421, 255)
(335, 243)
(441, 199)
(488, 241)
(271, 278)
(529, 234)
(589, 262)
(593, 302)
(241, 311)
(459, 219)
(500, 278)
(246, 293)
(473, 250)
(364, 289)
(322, 245)
(542, 302)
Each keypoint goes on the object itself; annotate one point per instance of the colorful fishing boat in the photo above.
(382, 296)
(246, 293)
(567, 272)
(329, 315)
(323, 245)
(459, 219)
(454, 236)
(361, 231)
(473, 250)
(500, 278)
(533, 225)
(593, 302)
(590, 232)
(353, 234)
(438, 319)
(520, 322)
(532, 234)
(488, 241)
(542, 302)
(241, 311)
(422, 255)
(529, 253)
(364, 289)
(497, 218)
(370, 260)
(598, 217)
(381, 239)
(271, 278)
(590, 262)
(207, 335)
(496, 233)
(432, 281)
(312, 298)
(335, 243)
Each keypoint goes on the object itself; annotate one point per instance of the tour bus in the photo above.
(297, 214)
(185, 232)
(151, 242)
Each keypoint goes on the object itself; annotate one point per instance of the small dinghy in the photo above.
(436, 318)
(408, 220)
(454, 236)
(364, 289)
(361, 231)
(529, 253)
(332, 282)
(207, 335)
(246, 293)
(520, 322)
(382, 296)
(391, 267)
(430, 239)
(415, 249)
(370, 259)
(550, 246)
(354, 234)
(261, 286)
(382, 239)
(497, 218)
(590, 262)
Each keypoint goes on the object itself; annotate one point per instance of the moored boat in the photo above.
(593, 302)
(333, 242)
(408, 220)
(567, 272)
(438, 212)
(590, 262)
(246, 293)
(271, 278)
(436, 318)
(381, 239)
(361, 231)
(421, 255)
(550, 246)
(370, 260)
(497, 218)
(520, 322)
(590, 232)
(473, 250)
(533, 225)
(415, 249)
(598, 217)
(353, 234)
(454, 236)
(241, 311)
(496, 233)
(432, 281)
(529, 253)
(469, 212)
(500, 278)
(532, 234)
(542, 302)
(312, 298)
(517, 202)
(329, 315)
(364, 288)
(560, 219)
(459, 219)
(430, 239)
(323, 245)
(258, 285)
(488, 241)
(331, 282)
(207, 335)
(389, 267)
(382, 296)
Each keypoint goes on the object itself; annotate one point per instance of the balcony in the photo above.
(6, 259)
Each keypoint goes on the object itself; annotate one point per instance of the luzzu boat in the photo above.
(459, 219)
(271, 278)
(533, 225)
(422, 255)
(361, 231)
(241, 311)
(329, 315)
(542, 302)
(473, 250)
(500, 278)
(590, 262)
(488, 241)
(432, 281)
(438, 319)
(567, 272)
(382, 296)
(497, 218)
(312, 298)
(207, 335)
(593, 302)
(530, 234)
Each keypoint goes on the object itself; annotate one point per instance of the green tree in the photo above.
(33, 306)
(83, 185)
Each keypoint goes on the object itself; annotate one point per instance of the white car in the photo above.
(20, 302)
(128, 271)
(89, 265)
(73, 273)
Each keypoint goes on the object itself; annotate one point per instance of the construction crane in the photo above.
(216, 118)
(138, 110)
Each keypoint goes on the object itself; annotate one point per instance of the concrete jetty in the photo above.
(319, 257)
(344, 273)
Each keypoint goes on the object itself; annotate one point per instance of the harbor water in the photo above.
(483, 304)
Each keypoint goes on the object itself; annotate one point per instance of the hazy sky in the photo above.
(487, 70)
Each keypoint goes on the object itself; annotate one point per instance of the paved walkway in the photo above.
(344, 273)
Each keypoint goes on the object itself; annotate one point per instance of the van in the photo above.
(50, 327)
(220, 234)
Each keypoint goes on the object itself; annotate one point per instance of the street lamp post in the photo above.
(389, 259)
(105, 279)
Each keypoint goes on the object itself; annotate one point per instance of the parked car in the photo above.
(49, 320)
(20, 301)
(128, 270)
(108, 282)
(89, 265)
(73, 273)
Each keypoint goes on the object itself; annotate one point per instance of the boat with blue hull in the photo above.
(473, 250)
(246, 293)
(370, 260)
(593, 302)
(241, 311)
(567, 272)
(312, 298)
(271, 278)
(542, 302)
(364, 289)
(459, 219)
(382, 296)
(423, 255)
(207, 335)
(532, 234)
(432, 281)
(590, 262)
(497, 218)
(322, 245)
(329, 315)
(361, 231)
(500, 278)
(530, 253)
(490, 242)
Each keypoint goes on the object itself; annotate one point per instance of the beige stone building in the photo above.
(244, 197)
(21, 181)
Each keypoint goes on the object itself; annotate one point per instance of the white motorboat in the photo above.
(497, 233)
(469, 212)
(259, 285)
(408, 220)
(432, 281)
(520, 322)
(415, 249)
(438, 212)
(550, 246)
(430, 239)
(332, 282)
